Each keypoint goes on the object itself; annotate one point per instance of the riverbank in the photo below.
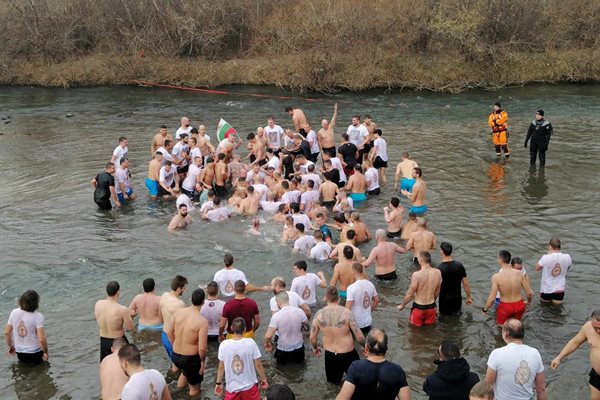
(310, 71)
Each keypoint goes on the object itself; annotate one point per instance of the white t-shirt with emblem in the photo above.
(122, 176)
(288, 324)
(311, 136)
(218, 214)
(25, 325)
(146, 385)
(294, 300)
(181, 130)
(119, 153)
(167, 177)
(292, 196)
(361, 293)
(212, 310)
(380, 148)
(372, 178)
(306, 286)
(274, 136)
(226, 278)
(516, 366)
(304, 244)
(555, 267)
(189, 183)
(238, 357)
(321, 251)
(357, 134)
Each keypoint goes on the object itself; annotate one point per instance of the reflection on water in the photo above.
(56, 241)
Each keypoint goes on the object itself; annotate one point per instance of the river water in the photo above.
(57, 242)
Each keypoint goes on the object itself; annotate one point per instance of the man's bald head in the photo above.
(514, 329)
(377, 342)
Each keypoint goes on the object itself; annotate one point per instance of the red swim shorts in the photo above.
(423, 315)
(509, 310)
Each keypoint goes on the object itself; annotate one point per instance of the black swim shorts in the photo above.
(336, 364)
(390, 276)
(394, 235)
(594, 379)
(190, 367)
(552, 296)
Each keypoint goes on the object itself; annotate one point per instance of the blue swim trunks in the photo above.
(407, 184)
(157, 327)
(152, 187)
(357, 196)
(419, 210)
(122, 198)
(343, 294)
(167, 345)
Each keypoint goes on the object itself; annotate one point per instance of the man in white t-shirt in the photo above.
(305, 283)
(554, 267)
(239, 362)
(320, 252)
(212, 310)
(358, 135)
(218, 213)
(184, 199)
(168, 180)
(372, 178)
(274, 161)
(311, 175)
(190, 185)
(361, 298)
(307, 198)
(273, 133)
(294, 299)
(121, 151)
(379, 154)
(144, 384)
(184, 128)
(287, 323)
(227, 276)
(516, 369)
(312, 139)
(25, 333)
(123, 185)
(304, 243)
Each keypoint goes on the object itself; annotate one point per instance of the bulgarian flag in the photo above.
(224, 130)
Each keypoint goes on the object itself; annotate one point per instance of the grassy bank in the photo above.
(447, 45)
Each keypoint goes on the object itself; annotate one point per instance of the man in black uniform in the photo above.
(104, 185)
(453, 275)
(539, 132)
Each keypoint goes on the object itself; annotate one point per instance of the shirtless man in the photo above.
(325, 136)
(337, 325)
(417, 195)
(298, 118)
(112, 377)
(207, 176)
(168, 304)
(113, 318)
(180, 220)
(357, 185)
(221, 176)
(360, 228)
(590, 331)
(343, 273)
(424, 288)
(228, 145)
(420, 240)
(237, 169)
(153, 175)
(394, 218)
(189, 334)
(328, 191)
(249, 205)
(371, 126)
(158, 140)
(257, 149)
(146, 305)
(508, 281)
(204, 143)
(383, 254)
(339, 249)
(405, 170)
(409, 227)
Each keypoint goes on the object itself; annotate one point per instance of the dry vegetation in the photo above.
(301, 44)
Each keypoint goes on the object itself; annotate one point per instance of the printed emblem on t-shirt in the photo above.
(556, 270)
(229, 287)
(237, 365)
(306, 293)
(366, 300)
(211, 304)
(153, 394)
(22, 329)
(523, 373)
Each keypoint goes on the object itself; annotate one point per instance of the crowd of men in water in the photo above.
(280, 174)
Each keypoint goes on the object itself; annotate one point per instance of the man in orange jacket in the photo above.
(497, 121)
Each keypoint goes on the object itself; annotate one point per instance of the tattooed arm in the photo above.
(314, 334)
(360, 338)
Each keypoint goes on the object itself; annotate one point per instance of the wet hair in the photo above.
(289, 219)
(122, 139)
(279, 281)
(482, 389)
(378, 131)
(212, 289)
(270, 150)
(310, 183)
(109, 165)
(351, 234)
(514, 329)
(211, 193)
(318, 235)
(194, 130)
(131, 354)
(148, 285)
(377, 342)
(320, 215)
(280, 392)
(216, 201)
(345, 137)
(419, 171)
(163, 127)
(395, 201)
(425, 256)
(169, 163)
(331, 294)
(281, 208)
(178, 282)
(348, 252)
(412, 215)
(300, 227)
(282, 297)
(288, 109)
(311, 168)
(497, 104)
(504, 256)
(295, 207)
(596, 314)
(250, 136)
(358, 168)
(449, 350)
(209, 160)
(357, 267)
(238, 326)
(182, 205)
(123, 160)
(285, 184)
(112, 288)
(250, 189)
(446, 248)
(29, 301)
(357, 117)
(301, 264)
(228, 259)
(239, 286)
(167, 143)
(198, 297)
(340, 218)
(554, 243)
(516, 260)
(221, 156)
(355, 216)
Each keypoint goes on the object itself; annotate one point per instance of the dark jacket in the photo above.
(452, 380)
(539, 132)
